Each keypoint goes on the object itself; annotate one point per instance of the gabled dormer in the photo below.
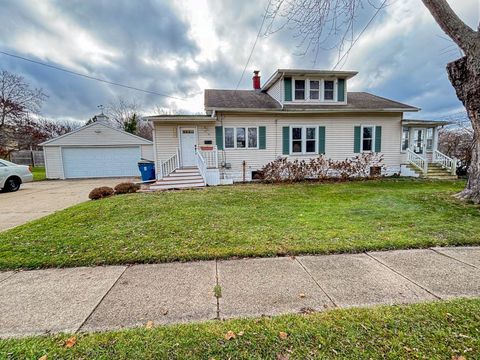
(316, 87)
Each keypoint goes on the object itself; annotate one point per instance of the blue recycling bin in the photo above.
(147, 169)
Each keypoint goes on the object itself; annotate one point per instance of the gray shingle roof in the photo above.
(251, 99)
(236, 99)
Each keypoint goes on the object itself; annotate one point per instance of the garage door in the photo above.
(100, 162)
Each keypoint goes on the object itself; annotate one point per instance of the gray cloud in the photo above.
(152, 45)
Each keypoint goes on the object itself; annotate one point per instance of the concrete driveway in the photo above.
(38, 199)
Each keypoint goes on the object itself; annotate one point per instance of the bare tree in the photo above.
(127, 116)
(317, 21)
(17, 99)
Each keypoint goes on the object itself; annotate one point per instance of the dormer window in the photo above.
(314, 90)
(328, 90)
(299, 89)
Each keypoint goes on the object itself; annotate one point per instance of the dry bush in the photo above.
(126, 188)
(100, 193)
(321, 168)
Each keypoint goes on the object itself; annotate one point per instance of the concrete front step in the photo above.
(176, 186)
(180, 179)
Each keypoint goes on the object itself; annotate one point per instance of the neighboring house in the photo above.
(298, 114)
(95, 150)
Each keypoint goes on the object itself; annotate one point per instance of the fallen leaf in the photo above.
(71, 342)
(230, 335)
(44, 357)
(240, 333)
(458, 357)
(283, 357)
(302, 295)
(282, 335)
(149, 325)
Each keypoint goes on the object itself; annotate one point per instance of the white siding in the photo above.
(147, 152)
(166, 137)
(97, 134)
(339, 139)
(275, 91)
(53, 162)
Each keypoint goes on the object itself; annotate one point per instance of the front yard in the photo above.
(440, 330)
(245, 220)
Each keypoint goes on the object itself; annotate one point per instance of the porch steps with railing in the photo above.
(181, 178)
(434, 171)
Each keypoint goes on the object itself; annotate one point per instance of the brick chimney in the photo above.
(256, 80)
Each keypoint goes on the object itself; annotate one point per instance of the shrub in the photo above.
(126, 188)
(100, 193)
(321, 168)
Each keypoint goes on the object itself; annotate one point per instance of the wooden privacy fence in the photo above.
(27, 157)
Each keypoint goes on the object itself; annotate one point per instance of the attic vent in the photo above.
(98, 131)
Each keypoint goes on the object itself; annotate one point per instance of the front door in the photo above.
(418, 143)
(188, 141)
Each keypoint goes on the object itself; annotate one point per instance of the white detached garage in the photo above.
(94, 151)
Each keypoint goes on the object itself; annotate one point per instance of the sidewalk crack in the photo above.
(8, 277)
(454, 258)
(317, 283)
(405, 277)
(217, 292)
(101, 300)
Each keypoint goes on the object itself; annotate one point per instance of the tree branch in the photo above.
(464, 36)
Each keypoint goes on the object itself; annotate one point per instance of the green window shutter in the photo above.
(288, 89)
(219, 137)
(378, 139)
(286, 140)
(262, 137)
(341, 90)
(356, 139)
(321, 139)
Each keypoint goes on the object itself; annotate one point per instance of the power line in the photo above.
(254, 44)
(361, 33)
(91, 77)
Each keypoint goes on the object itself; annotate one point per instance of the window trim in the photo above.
(426, 139)
(335, 84)
(246, 138)
(321, 88)
(304, 89)
(304, 140)
(373, 139)
(401, 139)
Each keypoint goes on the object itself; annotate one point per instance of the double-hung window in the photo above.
(328, 89)
(405, 138)
(241, 138)
(367, 138)
(314, 90)
(303, 140)
(299, 89)
(429, 139)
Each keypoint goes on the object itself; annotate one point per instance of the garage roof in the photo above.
(98, 133)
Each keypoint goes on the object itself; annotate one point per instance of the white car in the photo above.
(13, 175)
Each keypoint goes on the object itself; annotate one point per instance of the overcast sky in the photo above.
(181, 47)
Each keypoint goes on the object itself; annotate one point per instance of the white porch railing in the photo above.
(417, 161)
(210, 157)
(445, 161)
(170, 165)
(202, 165)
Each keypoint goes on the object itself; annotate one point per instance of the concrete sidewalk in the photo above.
(101, 298)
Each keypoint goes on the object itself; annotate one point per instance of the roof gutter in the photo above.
(313, 111)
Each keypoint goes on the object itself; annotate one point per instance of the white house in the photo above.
(298, 114)
(95, 150)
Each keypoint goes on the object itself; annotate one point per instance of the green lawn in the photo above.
(442, 330)
(245, 220)
(38, 173)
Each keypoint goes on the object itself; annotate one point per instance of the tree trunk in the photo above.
(464, 74)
